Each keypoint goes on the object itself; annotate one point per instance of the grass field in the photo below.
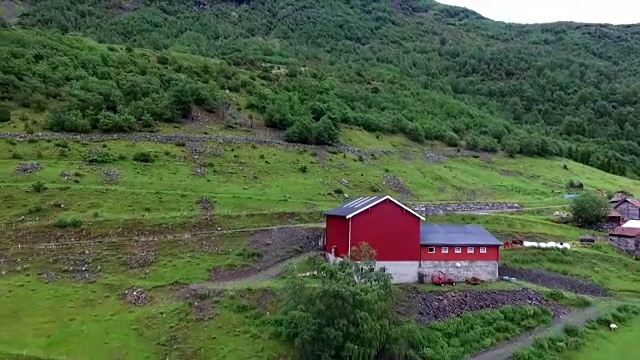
(250, 185)
(606, 345)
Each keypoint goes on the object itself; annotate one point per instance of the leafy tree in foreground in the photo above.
(589, 209)
(346, 313)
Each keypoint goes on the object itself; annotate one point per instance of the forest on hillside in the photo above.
(430, 71)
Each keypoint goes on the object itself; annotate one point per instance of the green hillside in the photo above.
(164, 167)
(415, 67)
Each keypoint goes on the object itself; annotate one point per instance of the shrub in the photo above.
(5, 115)
(589, 209)
(72, 222)
(303, 169)
(143, 157)
(99, 156)
(39, 187)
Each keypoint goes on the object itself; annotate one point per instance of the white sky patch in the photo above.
(544, 11)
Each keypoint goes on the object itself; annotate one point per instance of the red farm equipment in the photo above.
(440, 278)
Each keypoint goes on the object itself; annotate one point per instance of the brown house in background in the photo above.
(626, 239)
(626, 207)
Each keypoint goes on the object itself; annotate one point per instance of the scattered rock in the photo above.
(110, 176)
(206, 206)
(28, 168)
(66, 175)
(430, 306)
(142, 255)
(136, 297)
(86, 277)
(396, 184)
(50, 276)
(464, 207)
(200, 171)
(434, 158)
(555, 281)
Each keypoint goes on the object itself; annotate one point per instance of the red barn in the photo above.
(388, 226)
(405, 246)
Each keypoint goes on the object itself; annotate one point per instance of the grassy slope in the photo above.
(608, 344)
(249, 178)
(601, 264)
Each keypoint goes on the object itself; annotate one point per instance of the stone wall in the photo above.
(485, 270)
(626, 244)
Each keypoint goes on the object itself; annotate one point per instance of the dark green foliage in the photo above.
(64, 222)
(458, 338)
(99, 156)
(143, 157)
(419, 68)
(589, 209)
(39, 187)
(100, 88)
(5, 114)
(359, 328)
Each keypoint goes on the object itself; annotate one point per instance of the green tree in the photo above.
(346, 313)
(5, 115)
(589, 209)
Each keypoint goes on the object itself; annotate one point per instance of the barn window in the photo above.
(483, 250)
(458, 250)
(432, 250)
(445, 250)
(470, 250)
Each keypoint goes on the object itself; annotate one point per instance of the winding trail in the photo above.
(504, 351)
(261, 276)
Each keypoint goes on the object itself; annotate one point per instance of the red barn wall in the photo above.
(389, 229)
(337, 232)
(492, 254)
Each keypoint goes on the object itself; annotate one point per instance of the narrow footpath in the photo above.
(504, 351)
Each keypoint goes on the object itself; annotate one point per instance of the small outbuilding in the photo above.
(405, 246)
(459, 251)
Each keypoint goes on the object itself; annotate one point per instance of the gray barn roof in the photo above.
(456, 235)
(356, 206)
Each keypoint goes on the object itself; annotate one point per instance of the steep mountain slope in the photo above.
(429, 71)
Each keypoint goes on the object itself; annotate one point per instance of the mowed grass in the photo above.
(244, 179)
(601, 264)
(607, 345)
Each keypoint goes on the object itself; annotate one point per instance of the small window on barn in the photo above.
(445, 250)
(432, 250)
(470, 250)
(483, 250)
(458, 250)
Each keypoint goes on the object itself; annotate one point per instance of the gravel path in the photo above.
(264, 275)
(506, 350)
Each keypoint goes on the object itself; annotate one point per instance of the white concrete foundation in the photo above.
(401, 272)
